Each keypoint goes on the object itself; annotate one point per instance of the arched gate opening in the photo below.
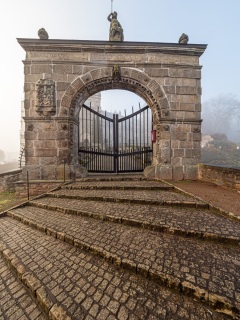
(115, 142)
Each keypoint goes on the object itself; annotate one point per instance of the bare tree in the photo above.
(220, 114)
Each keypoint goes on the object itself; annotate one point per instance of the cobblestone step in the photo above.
(114, 177)
(120, 185)
(200, 223)
(15, 300)
(163, 197)
(207, 271)
(74, 284)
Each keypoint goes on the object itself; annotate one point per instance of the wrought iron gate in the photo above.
(113, 143)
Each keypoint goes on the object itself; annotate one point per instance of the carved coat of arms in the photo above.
(46, 97)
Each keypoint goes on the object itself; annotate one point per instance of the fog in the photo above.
(221, 115)
(154, 21)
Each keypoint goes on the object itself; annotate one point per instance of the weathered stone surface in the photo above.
(167, 77)
(179, 243)
(178, 173)
(186, 90)
(62, 68)
(185, 73)
(228, 177)
(191, 172)
(44, 300)
(164, 172)
(157, 72)
(169, 89)
(58, 313)
(188, 107)
(181, 82)
(16, 303)
(149, 172)
(27, 69)
(47, 152)
(62, 86)
(178, 152)
(41, 68)
(77, 69)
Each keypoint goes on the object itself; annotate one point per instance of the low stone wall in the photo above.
(228, 177)
(35, 187)
(8, 179)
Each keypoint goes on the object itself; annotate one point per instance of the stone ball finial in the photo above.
(183, 39)
(42, 33)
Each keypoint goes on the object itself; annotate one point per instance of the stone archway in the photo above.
(103, 79)
(61, 74)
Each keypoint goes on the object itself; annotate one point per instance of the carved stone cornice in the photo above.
(111, 64)
(50, 119)
(125, 47)
(179, 121)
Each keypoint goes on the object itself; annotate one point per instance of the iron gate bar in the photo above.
(107, 152)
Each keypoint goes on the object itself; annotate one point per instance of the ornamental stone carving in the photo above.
(46, 97)
(116, 30)
(183, 39)
(42, 33)
(196, 129)
(116, 74)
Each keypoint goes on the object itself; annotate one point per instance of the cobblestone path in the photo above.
(122, 249)
(15, 301)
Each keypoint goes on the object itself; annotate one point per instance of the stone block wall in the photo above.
(228, 177)
(8, 179)
(35, 188)
(61, 75)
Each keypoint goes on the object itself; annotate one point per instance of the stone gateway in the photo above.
(60, 75)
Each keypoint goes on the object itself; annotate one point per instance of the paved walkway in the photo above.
(123, 249)
(225, 198)
(89, 287)
(15, 302)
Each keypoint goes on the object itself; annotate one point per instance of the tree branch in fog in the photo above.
(221, 114)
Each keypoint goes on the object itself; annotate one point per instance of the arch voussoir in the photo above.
(100, 79)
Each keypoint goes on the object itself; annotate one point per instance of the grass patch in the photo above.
(9, 199)
(3, 202)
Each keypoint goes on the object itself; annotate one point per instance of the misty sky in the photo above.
(212, 22)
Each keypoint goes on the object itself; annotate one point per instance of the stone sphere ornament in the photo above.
(183, 39)
(42, 33)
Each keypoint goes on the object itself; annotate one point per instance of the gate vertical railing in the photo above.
(117, 144)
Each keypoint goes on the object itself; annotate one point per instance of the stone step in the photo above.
(207, 271)
(114, 177)
(15, 299)
(120, 185)
(82, 286)
(188, 222)
(163, 197)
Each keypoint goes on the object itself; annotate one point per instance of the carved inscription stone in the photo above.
(46, 97)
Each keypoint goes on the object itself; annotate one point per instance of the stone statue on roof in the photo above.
(183, 39)
(116, 30)
(42, 33)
